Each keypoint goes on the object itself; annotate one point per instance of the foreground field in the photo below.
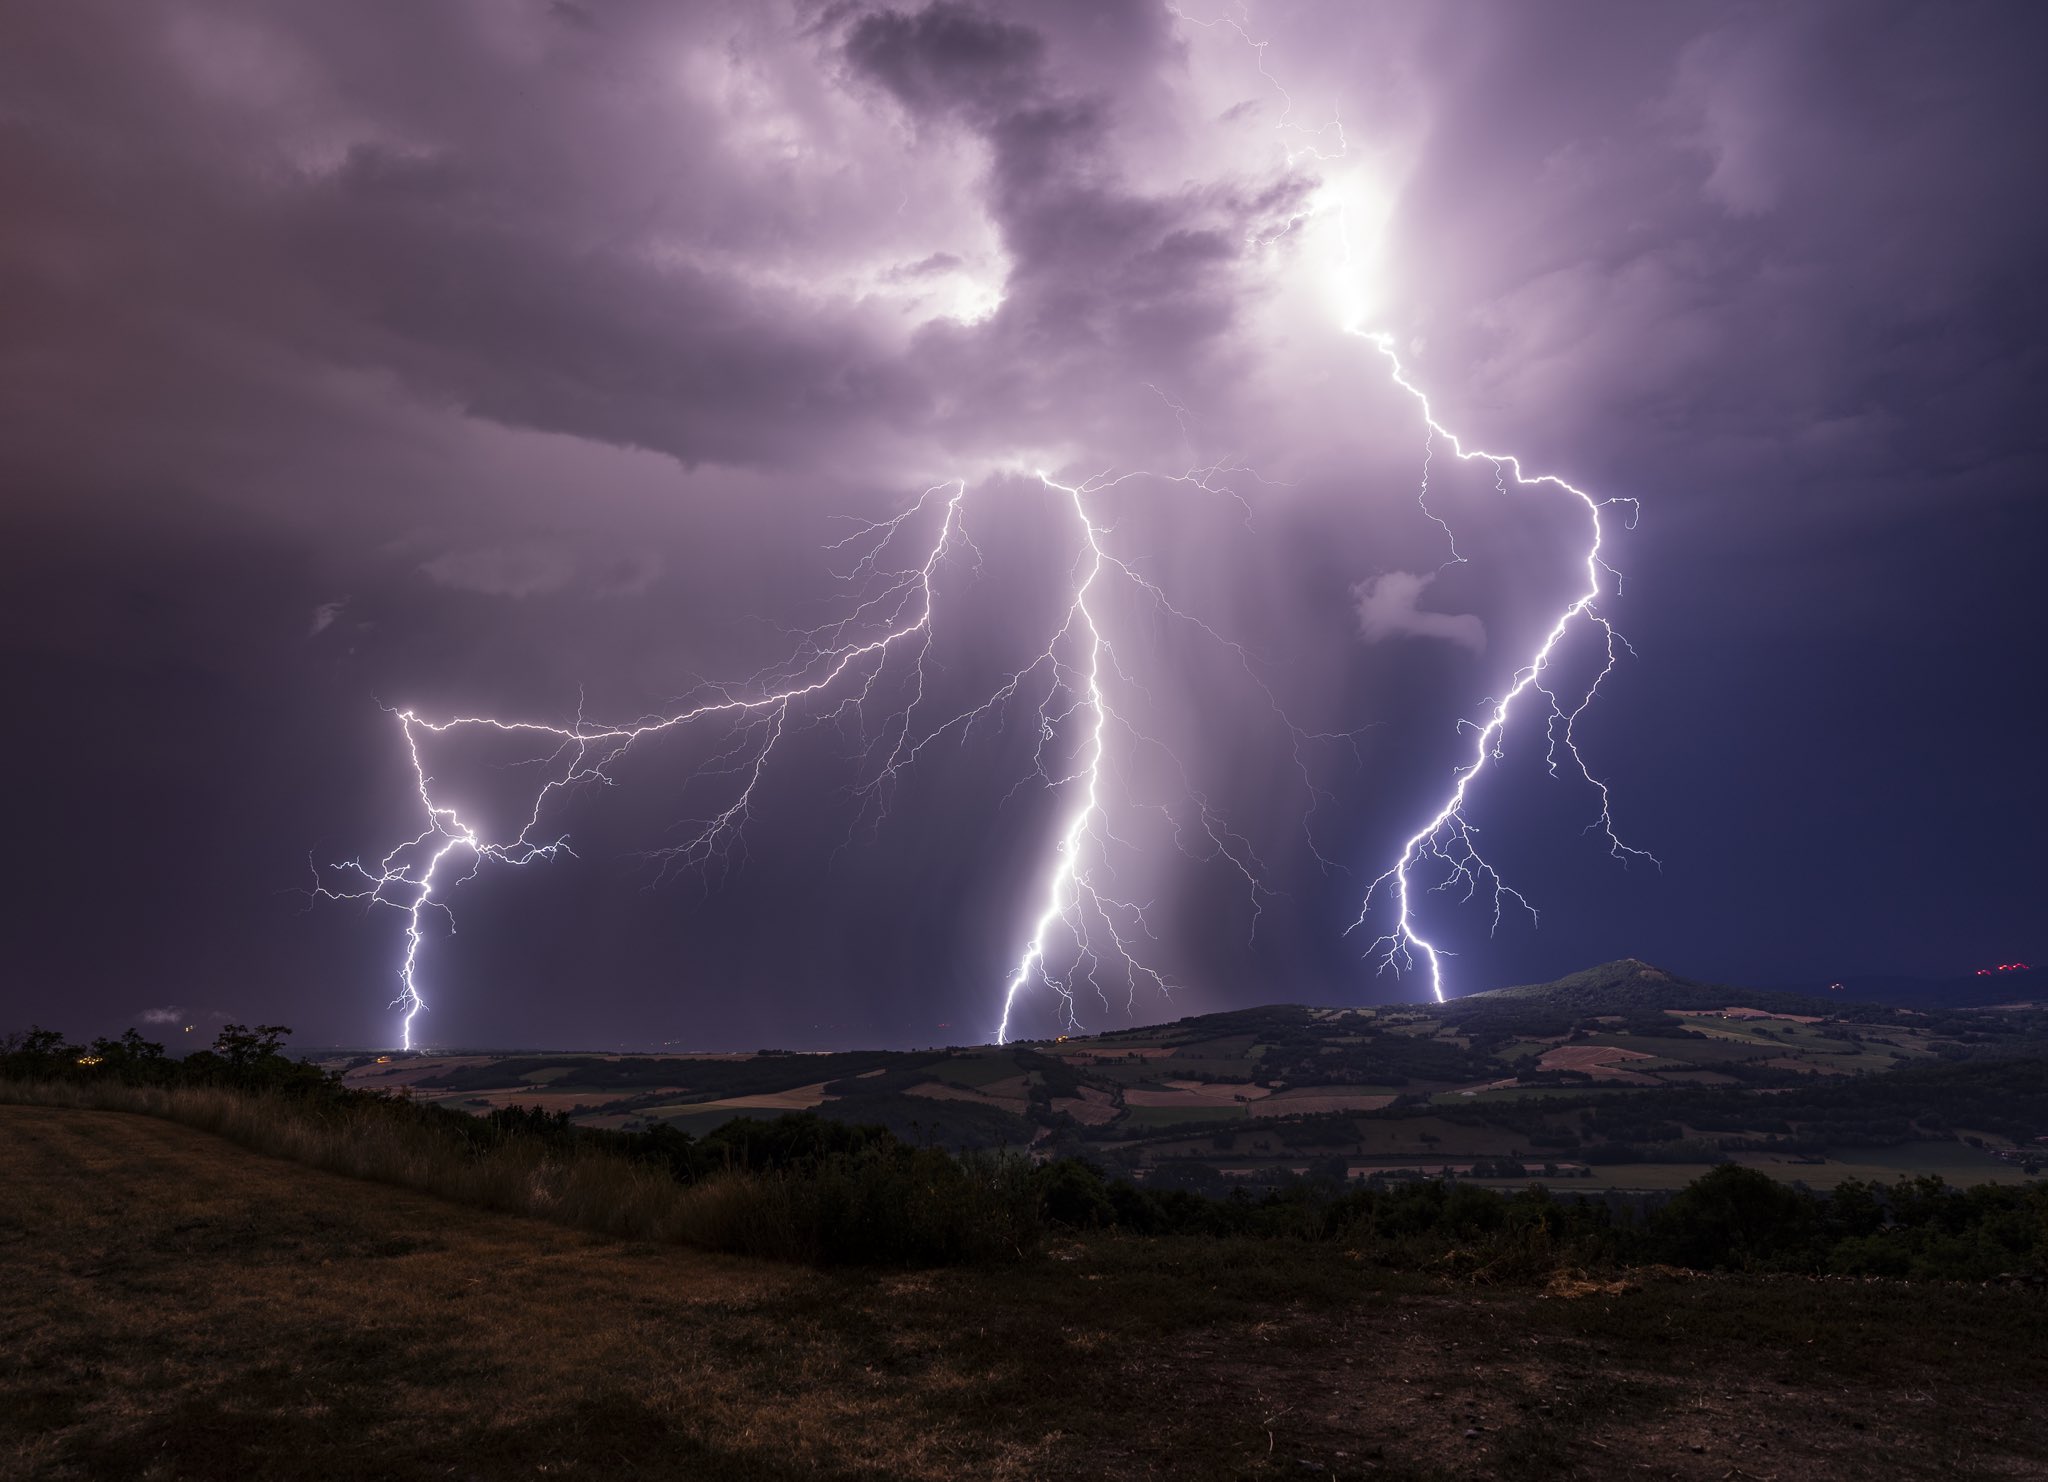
(174, 1306)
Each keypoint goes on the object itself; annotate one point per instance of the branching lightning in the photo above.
(1446, 838)
(897, 615)
(1089, 933)
(1100, 928)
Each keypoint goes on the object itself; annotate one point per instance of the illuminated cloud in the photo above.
(478, 314)
(503, 571)
(1387, 609)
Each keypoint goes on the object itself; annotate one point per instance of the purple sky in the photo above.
(513, 358)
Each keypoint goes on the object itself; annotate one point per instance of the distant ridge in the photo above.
(1968, 991)
(1631, 983)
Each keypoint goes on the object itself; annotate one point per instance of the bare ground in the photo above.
(173, 1306)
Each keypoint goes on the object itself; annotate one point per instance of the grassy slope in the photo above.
(174, 1306)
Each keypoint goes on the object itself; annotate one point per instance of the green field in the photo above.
(1523, 1093)
(1173, 1116)
(1721, 1087)
(976, 1071)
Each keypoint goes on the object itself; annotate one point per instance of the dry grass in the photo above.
(173, 1307)
(1092, 1108)
(1602, 1062)
(983, 1096)
(409, 1071)
(1289, 1103)
(924, 1208)
(797, 1098)
(590, 1191)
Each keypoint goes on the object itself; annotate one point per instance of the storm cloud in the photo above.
(566, 341)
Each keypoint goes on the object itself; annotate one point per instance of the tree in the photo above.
(1736, 1218)
(254, 1059)
(39, 1043)
(130, 1048)
(1073, 1194)
(243, 1047)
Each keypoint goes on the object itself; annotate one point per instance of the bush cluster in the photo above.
(806, 1188)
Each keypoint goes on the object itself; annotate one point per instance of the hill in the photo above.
(1624, 1077)
(1618, 987)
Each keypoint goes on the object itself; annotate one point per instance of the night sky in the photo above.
(528, 360)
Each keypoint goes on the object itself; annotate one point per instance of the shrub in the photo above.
(801, 1187)
(1735, 1218)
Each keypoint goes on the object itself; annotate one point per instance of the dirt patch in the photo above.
(1602, 1061)
(1572, 1285)
(1152, 1096)
(1197, 1093)
(1094, 1107)
(1567, 1396)
(1588, 1057)
(548, 1101)
(796, 1098)
(1302, 1103)
(406, 1070)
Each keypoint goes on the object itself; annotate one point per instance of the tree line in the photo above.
(835, 1192)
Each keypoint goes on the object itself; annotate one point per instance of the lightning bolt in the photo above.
(1072, 898)
(895, 614)
(1094, 927)
(1088, 931)
(1445, 838)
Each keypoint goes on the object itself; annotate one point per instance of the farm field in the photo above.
(176, 1306)
(1624, 1068)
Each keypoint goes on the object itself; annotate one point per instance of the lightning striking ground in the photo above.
(1088, 932)
(1067, 893)
(1446, 837)
(409, 876)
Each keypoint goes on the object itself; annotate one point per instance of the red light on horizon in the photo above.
(2004, 967)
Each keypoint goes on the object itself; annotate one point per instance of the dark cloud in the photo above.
(562, 338)
(1109, 286)
(950, 57)
(1784, 237)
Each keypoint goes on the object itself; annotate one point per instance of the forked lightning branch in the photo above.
(1081, 932)
(1089, 936)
